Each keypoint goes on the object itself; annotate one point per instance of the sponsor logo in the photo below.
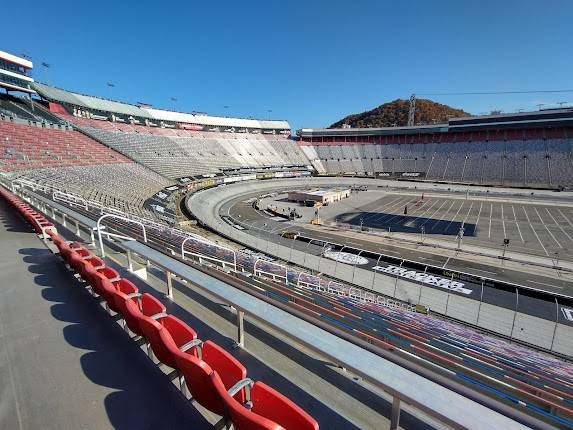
(161, 195)
(412, 174)
(567, 313)
(425, 278)
(346, 257)
(173, 188)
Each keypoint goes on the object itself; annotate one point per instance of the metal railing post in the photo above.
(395, 414)
(129, 261)
(375, 273)
(169, 285)
(240, 329)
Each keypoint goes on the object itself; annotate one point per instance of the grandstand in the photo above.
(100, 183)
(521, 150)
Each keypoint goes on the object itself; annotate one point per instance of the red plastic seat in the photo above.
(96, 262)
(178, 330)
(75, 261)
(83, 252)
(101, 285)
(125, 286)
(76, 245)
(270, 409)
(109, 273)
(229, 368)
(114, 300)
(197, 374)
(133, 310)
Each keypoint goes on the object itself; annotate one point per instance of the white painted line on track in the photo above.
(534, 232)
(468, 214)
(548, 231)
(455, 216)
(559, 225)
(517, 224)
(376, 210)
(388, 251)
(543, 283)
(485, 271)
(503, 222)
(427, 209)
(381, 216)
(566, 219)
(479, 213)
(442, 217)
(434, 213)
(490, 213)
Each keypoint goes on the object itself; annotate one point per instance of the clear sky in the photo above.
(310, 62)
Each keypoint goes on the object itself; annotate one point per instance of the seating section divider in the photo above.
(214, 378)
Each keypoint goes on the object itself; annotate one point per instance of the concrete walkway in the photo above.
(63, 363)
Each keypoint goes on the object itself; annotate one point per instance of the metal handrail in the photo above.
(98, 228)
(210, 244)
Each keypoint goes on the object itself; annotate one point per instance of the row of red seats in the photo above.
(214, 378)
(36, 219)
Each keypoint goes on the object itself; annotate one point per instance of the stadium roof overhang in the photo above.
(110, 106)
(11, 87)
(16, 60)
(347, 132)
(555, 118)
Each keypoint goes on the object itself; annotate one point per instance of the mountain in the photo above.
(395, 113)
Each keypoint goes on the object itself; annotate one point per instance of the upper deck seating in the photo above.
(176, 153)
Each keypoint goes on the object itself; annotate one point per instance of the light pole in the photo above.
(505, 246)
(268, 240)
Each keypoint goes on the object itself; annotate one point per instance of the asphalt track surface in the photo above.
(265, 227)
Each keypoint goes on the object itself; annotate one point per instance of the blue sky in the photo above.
(310, 62)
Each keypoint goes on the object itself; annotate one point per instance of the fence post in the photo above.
(395, 414)
(556, 322)
(169, 284)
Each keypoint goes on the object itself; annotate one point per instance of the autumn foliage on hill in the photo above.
(395, 113)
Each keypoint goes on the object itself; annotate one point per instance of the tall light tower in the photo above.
(412, 111)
